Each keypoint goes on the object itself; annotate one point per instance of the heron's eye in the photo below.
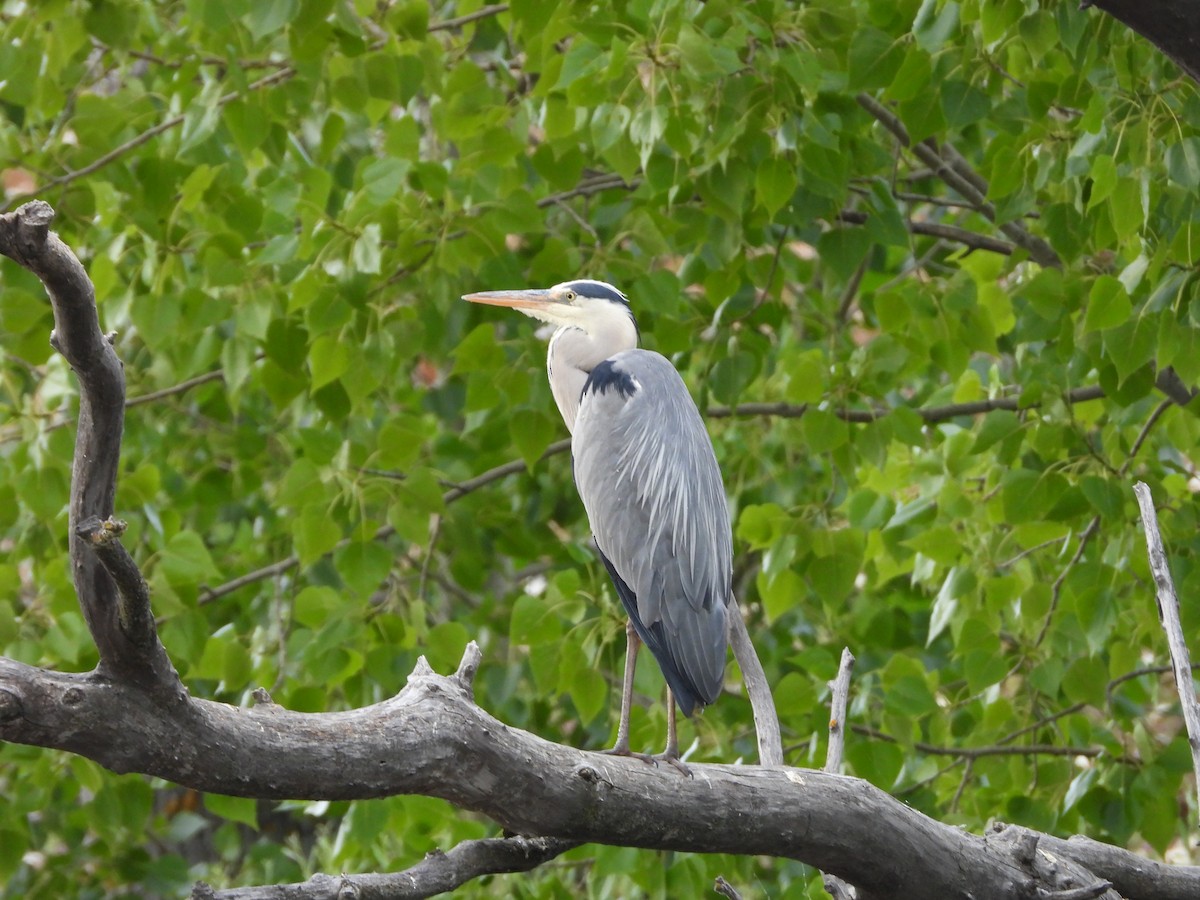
(570, 296)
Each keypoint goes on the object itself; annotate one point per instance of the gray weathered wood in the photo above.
(1168, 615)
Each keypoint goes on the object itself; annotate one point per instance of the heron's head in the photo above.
(594, 307)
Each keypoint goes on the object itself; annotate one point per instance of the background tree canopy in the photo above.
(929, 267)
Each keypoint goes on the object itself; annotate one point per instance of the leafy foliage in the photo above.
(280, 204)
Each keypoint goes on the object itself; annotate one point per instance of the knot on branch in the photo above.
(10, 707)
(100, 532)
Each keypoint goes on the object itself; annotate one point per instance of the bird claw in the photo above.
(676, 762)
(625, 751)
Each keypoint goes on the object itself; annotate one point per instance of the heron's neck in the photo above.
(574, 353)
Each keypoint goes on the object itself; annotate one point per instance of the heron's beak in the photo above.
(528, 299)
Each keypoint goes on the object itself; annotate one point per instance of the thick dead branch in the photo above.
(1169, 26)
(26, 238)
(1168, 616)
(431, 739)
(1130, 874)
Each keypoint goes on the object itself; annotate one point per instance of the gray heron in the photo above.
(648, 477)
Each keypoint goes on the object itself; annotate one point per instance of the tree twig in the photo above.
(1056, 590)
(1168, 617)
(457, 22)
(437, 873)
(968, 753)
(938, 230)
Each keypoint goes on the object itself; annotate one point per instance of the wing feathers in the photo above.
(646, 471)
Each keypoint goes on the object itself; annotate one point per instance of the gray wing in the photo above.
(648, 477)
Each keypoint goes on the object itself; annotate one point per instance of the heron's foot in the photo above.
(673, 759)
(623, 750)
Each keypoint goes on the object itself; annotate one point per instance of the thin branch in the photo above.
(1168, 617)
(459, 21)
(938, 230)
(182, 387)
(495, 474)
(1145, 433)
(1056, 590)
(456, 492)
(14, 432)
(970, 753)
(206, 60)
(951, 168)
(1029, 551)
(850, 294)
(437, 873)
(930, 414)
(588, 187)
(1168, 381)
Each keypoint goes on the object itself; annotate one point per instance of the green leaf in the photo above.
(185, 561)
(806, 372)
(366, 254)
(532, 432)
(945, 606)
(1183, 163)
(1108, 304)
(874, 59)
(233, 809)
(1104, 180)
(963, 104)
(315, 533)
(824, 431)
(781, 594)
(774, 183)
(328, 359)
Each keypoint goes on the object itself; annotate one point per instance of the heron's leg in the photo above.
(671, 754)
(621, 747)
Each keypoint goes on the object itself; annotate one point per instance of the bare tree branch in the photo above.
(969, 753)
(1169, 26)
(766, 720)
(839, 698)
(438, 873)
(1168, 616)
(459, 21)
(432, 739)
(26, 238)
(111, 592)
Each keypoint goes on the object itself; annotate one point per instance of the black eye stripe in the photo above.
(597, 290)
